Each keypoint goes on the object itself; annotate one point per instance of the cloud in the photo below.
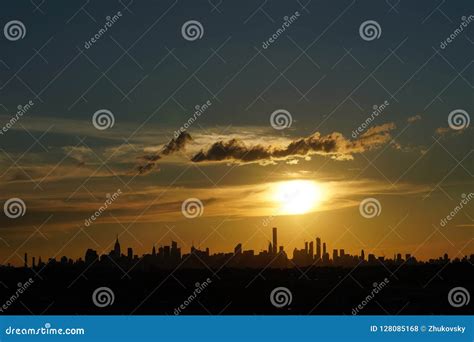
(174, 145)
(81, 154)
(164, 203)
(146, 168)
(415, 118)
(177, 144)
(334, 145)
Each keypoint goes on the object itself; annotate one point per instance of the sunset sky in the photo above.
(307, 179)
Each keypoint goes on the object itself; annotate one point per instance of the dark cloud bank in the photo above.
(334, 145)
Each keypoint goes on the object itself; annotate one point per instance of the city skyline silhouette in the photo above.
(224, 157)
(170, 256)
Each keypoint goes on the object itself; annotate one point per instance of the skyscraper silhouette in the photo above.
(318, 248)
(117, 252)
(275, 243)
(238, 249)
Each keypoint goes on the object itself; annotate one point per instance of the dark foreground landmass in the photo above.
(407, 290)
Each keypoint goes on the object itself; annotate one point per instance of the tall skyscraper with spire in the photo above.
(117, 252)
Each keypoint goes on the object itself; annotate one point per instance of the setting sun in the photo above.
(297, 196)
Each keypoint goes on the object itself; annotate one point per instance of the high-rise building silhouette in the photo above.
(175, 251)
(117, 252)
(275, 243)
(170, 256)
(238, 249)
(90, 257)
(318, 248)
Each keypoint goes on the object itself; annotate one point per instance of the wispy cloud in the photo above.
(163, 204)
(174, 145)
(414, 118)
(334, 145)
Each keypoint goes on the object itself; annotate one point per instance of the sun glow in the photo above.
(297, 196)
